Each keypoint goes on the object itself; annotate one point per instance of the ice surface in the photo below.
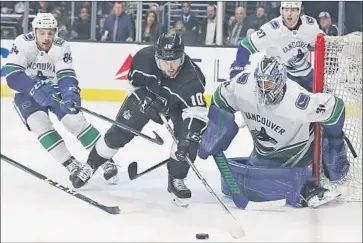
(32, 210)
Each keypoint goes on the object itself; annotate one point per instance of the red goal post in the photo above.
(338, 70)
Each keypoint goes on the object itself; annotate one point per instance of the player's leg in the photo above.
(37, 121)
(178, 170)
(86, 133)
(115, 138)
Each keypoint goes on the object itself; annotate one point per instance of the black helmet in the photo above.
(169, 47)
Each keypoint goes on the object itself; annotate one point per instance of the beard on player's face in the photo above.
(45, 38)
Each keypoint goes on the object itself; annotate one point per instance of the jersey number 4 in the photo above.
(197, 99)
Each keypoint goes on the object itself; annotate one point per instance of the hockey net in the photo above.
(338, 70)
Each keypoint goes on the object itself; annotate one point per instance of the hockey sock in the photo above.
(89, 136)
(84, 131)
(54, 144)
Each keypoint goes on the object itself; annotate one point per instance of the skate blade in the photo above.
(180, 202)
(113, 180)
(328, 197)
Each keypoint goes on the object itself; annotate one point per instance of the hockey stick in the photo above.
(350, 146)
(108, 209)
(238, 192)
(132, 169)
(236, 232)
(157, 139)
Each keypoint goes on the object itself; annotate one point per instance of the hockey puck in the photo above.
(202, 236)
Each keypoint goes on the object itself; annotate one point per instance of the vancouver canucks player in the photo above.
(287, 37)
(40, 68)
(279, 114)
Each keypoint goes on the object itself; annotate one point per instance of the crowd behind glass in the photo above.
(195, 21)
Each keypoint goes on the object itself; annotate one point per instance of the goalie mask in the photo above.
(271, 77)
(169, 54)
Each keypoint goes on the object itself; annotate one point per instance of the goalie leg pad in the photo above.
(41, 125)
(269, 184)
(81, 128)
(219, 134)
(335, 160)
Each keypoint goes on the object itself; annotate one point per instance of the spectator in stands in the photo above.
(189, 37)
(239, 27)
(259, 19)
(208, 27)
(81, 29)
(100, 24)
(172, 31)
(118, 25)
(190, 21)
(62, 29)
(229, 25)
(41, 6)
(151, 28)
(326, 25)
(160, 13)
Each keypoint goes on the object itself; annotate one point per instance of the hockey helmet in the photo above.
(169, 47)
(290, 5)
(271, 77)
(44, 21)
(169, 54)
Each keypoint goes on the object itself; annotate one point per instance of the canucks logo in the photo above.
(299, 60)
(260, 137)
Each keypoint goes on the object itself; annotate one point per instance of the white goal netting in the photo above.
(343, 77)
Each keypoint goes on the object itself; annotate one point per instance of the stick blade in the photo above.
(132, 170)
(113, 210)
(158, 138)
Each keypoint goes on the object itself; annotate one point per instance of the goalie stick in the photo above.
(108, 209)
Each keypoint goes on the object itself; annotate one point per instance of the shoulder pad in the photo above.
(25, 42)
(308, 20)
(242, 77)
(58, 51)
(59, 41)
(275, 23)
(28, 36)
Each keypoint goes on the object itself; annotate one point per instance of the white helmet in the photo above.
(290, 5)
(44, 21)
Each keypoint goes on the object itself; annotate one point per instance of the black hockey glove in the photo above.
(188, 146)
(152, 106)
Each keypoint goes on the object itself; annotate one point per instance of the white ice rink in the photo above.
(32, 210)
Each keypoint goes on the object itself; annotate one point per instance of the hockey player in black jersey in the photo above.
(166, 80)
